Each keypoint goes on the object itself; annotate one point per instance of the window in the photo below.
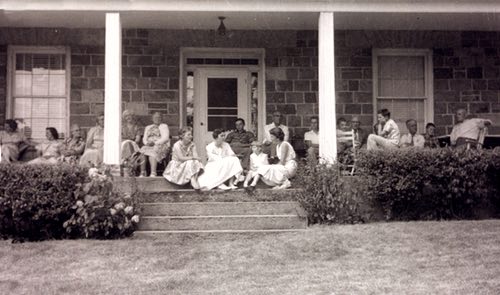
(39, 91)
(403, 85)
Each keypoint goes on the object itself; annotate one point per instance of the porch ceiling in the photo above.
(207, 20)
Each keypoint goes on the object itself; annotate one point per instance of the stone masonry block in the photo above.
(159, 83)
(479, 84)
(353, 85)
(307, 73)
(168, 71)
(128, 83)
(310, 97)
(76, 71)
(443, 73)
(149, 72)
(344, 97)
(301, 85)
(304, 109)
(80, 60)
(139, 60)
(354, 109)
(173, 83)
(97, 60)
(294, 97)
(475, 73)
(93, 95)
(443, 119)
(276, 97)
(363, 97)
(131, 72)
(490, 96)
(276, 74)
(493, 84)
(476, 108)
(159, 96)
(367, 108)
(96, 83)
(79, 83)
(270, 86)
(284, 85)
(79, 108)
(446, 96)
(460, 85)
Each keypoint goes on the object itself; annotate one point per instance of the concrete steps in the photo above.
(169, 209)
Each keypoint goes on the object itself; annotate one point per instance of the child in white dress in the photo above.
(257, 159)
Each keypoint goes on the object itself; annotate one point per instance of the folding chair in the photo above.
(480, 139)
(348, 137)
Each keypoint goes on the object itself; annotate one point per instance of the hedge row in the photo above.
(405, 185)
(39, 202)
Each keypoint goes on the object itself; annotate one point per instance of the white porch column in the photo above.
(326, 88)
(113, 90)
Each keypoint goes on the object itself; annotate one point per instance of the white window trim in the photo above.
(211, 52)
(12, 50)
(428, 79)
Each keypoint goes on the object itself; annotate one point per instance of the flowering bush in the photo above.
(100, 211)
(35, 200)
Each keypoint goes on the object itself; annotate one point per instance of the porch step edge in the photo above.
(230, 231)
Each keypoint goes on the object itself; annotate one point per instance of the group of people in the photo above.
(233, 157)
(151, 144)
(386, 133)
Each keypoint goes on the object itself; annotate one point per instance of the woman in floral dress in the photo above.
(156, 142)
(185, 164)
(74, 146)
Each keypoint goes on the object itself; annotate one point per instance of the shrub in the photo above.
(100, 211)
(414, 184)
(326, 196)
(35, 200)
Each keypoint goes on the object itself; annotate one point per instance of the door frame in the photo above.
(202, 74)
(216, 52)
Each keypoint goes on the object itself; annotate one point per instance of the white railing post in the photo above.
(113, 90)
(326, 88)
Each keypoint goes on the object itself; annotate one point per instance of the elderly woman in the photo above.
(278, 175)
(49, 152)
(185, 164)
(94, 145)
(222, 165)
(73, 147)
(156, 144)
(11, 141)
(131, 135)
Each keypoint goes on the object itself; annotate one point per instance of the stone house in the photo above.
(63, 62)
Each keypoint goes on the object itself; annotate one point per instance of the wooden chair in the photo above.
(480, 139)
(348, 138)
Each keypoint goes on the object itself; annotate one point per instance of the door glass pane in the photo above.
(222, 101)
(401, 76)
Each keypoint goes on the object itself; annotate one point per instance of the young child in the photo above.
(257, 159)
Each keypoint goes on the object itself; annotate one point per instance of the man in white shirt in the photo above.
(269, 147)
(311, 138)
(466, 130)
(412, 138)
(389, 137)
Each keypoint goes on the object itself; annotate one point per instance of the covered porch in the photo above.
(312, 58)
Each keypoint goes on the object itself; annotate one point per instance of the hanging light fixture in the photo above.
(221, 30)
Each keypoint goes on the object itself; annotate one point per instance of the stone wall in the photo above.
(466, 70)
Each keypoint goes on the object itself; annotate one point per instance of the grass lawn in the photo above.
(459, 257)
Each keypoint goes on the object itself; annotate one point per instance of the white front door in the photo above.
(221, 96)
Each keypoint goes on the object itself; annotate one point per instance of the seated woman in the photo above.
(94, 145)
(131, 135)
(11, 141)
(185, 164)
(156, 144)
(278, 175)
(222, 165)
(73, 147)
(48, 152)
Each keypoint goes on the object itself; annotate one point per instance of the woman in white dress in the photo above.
(156, 144)
(222, 165)
(185, 164)
(278, 175)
